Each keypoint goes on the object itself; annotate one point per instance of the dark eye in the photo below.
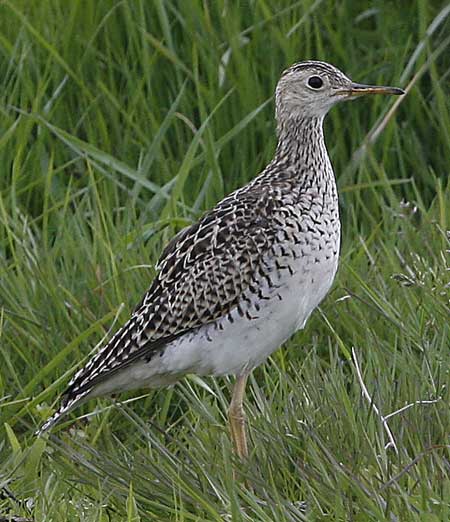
(315, 82)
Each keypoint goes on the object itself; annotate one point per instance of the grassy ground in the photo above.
(121, 122)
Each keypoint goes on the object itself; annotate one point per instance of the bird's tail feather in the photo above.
(67, 404)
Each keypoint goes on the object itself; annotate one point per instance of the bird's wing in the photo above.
(203, 274)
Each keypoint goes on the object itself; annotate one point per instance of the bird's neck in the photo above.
(302, 155)
(301, 142)
(301, 159)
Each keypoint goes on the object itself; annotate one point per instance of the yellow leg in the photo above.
(236, 417)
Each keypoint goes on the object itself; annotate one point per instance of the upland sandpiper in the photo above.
(234, 286)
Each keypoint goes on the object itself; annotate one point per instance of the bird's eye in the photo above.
(315, 82)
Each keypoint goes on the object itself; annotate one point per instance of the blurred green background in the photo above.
(121, 122)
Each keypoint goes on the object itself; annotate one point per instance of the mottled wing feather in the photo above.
(203, 274)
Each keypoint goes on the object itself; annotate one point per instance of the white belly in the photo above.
(228, 347)
(234, 343)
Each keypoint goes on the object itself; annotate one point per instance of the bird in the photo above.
(235, 285)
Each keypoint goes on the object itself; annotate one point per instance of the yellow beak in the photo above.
(359, 89)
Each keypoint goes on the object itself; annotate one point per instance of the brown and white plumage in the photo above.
(236, 284)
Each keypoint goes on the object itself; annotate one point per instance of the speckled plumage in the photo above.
(235, 285)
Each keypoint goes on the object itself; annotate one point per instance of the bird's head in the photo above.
(311, 88)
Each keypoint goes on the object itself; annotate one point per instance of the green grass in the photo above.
(121, 122)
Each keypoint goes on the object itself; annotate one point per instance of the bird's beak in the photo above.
(359, 89)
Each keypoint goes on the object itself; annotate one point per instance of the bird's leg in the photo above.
(236, 417)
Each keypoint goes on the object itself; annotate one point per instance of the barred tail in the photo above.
(68, 403)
